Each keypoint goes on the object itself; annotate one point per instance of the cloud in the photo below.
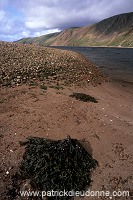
(39, 33)
(3, 3)
(57, 14)
(66, 13)
(2, 14)
(36, 17)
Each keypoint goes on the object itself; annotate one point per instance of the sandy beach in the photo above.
(105, 129)
(36, 84)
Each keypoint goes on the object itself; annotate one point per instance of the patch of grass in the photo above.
(23, 92)
(32, 83)
(44, 87)
(42, 93)
(1, 135)
(57, 87)
(83, 97)
(59, 93)
(2, 100)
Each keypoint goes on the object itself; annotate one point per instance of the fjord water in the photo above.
(117, 63)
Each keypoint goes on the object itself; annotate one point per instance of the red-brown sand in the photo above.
(106, 125)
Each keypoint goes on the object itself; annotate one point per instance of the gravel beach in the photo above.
(33, 64)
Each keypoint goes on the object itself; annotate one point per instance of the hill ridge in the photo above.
(114, 31)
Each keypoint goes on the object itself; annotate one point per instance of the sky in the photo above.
(31, 18)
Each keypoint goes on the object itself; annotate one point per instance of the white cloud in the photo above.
(10, 29)
(36, 34)
(25, 33)
(5, 23)
(2, 14)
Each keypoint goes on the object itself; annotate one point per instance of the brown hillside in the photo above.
(114, 31)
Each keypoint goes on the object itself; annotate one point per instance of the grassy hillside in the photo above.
(44, 39)
(114, 31)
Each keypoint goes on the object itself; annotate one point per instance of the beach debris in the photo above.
(7, 172)
(83, 97)
(96, 136)
(56, 164)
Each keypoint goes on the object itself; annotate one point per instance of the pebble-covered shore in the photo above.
(32, 64)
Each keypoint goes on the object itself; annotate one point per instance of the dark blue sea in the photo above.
(117, 63)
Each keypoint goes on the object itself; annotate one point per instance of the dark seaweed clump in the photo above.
(83, 97)
(57, 165)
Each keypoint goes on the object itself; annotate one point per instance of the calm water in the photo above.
(117, 63)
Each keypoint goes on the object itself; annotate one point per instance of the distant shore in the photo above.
(95, 46)
(112, 47)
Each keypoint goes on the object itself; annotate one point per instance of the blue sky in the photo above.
(30, 18)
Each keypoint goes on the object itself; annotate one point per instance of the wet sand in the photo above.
(107, 126)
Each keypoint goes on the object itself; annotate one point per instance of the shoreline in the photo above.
(94, 47)
(120, 81)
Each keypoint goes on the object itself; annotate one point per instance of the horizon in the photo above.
(35, 18)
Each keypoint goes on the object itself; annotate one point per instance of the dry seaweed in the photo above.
(56, 165)
(84, 97)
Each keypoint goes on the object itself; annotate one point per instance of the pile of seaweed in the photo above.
(57, 165)
(84, 97)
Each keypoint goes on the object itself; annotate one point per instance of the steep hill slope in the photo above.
(114, 31)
